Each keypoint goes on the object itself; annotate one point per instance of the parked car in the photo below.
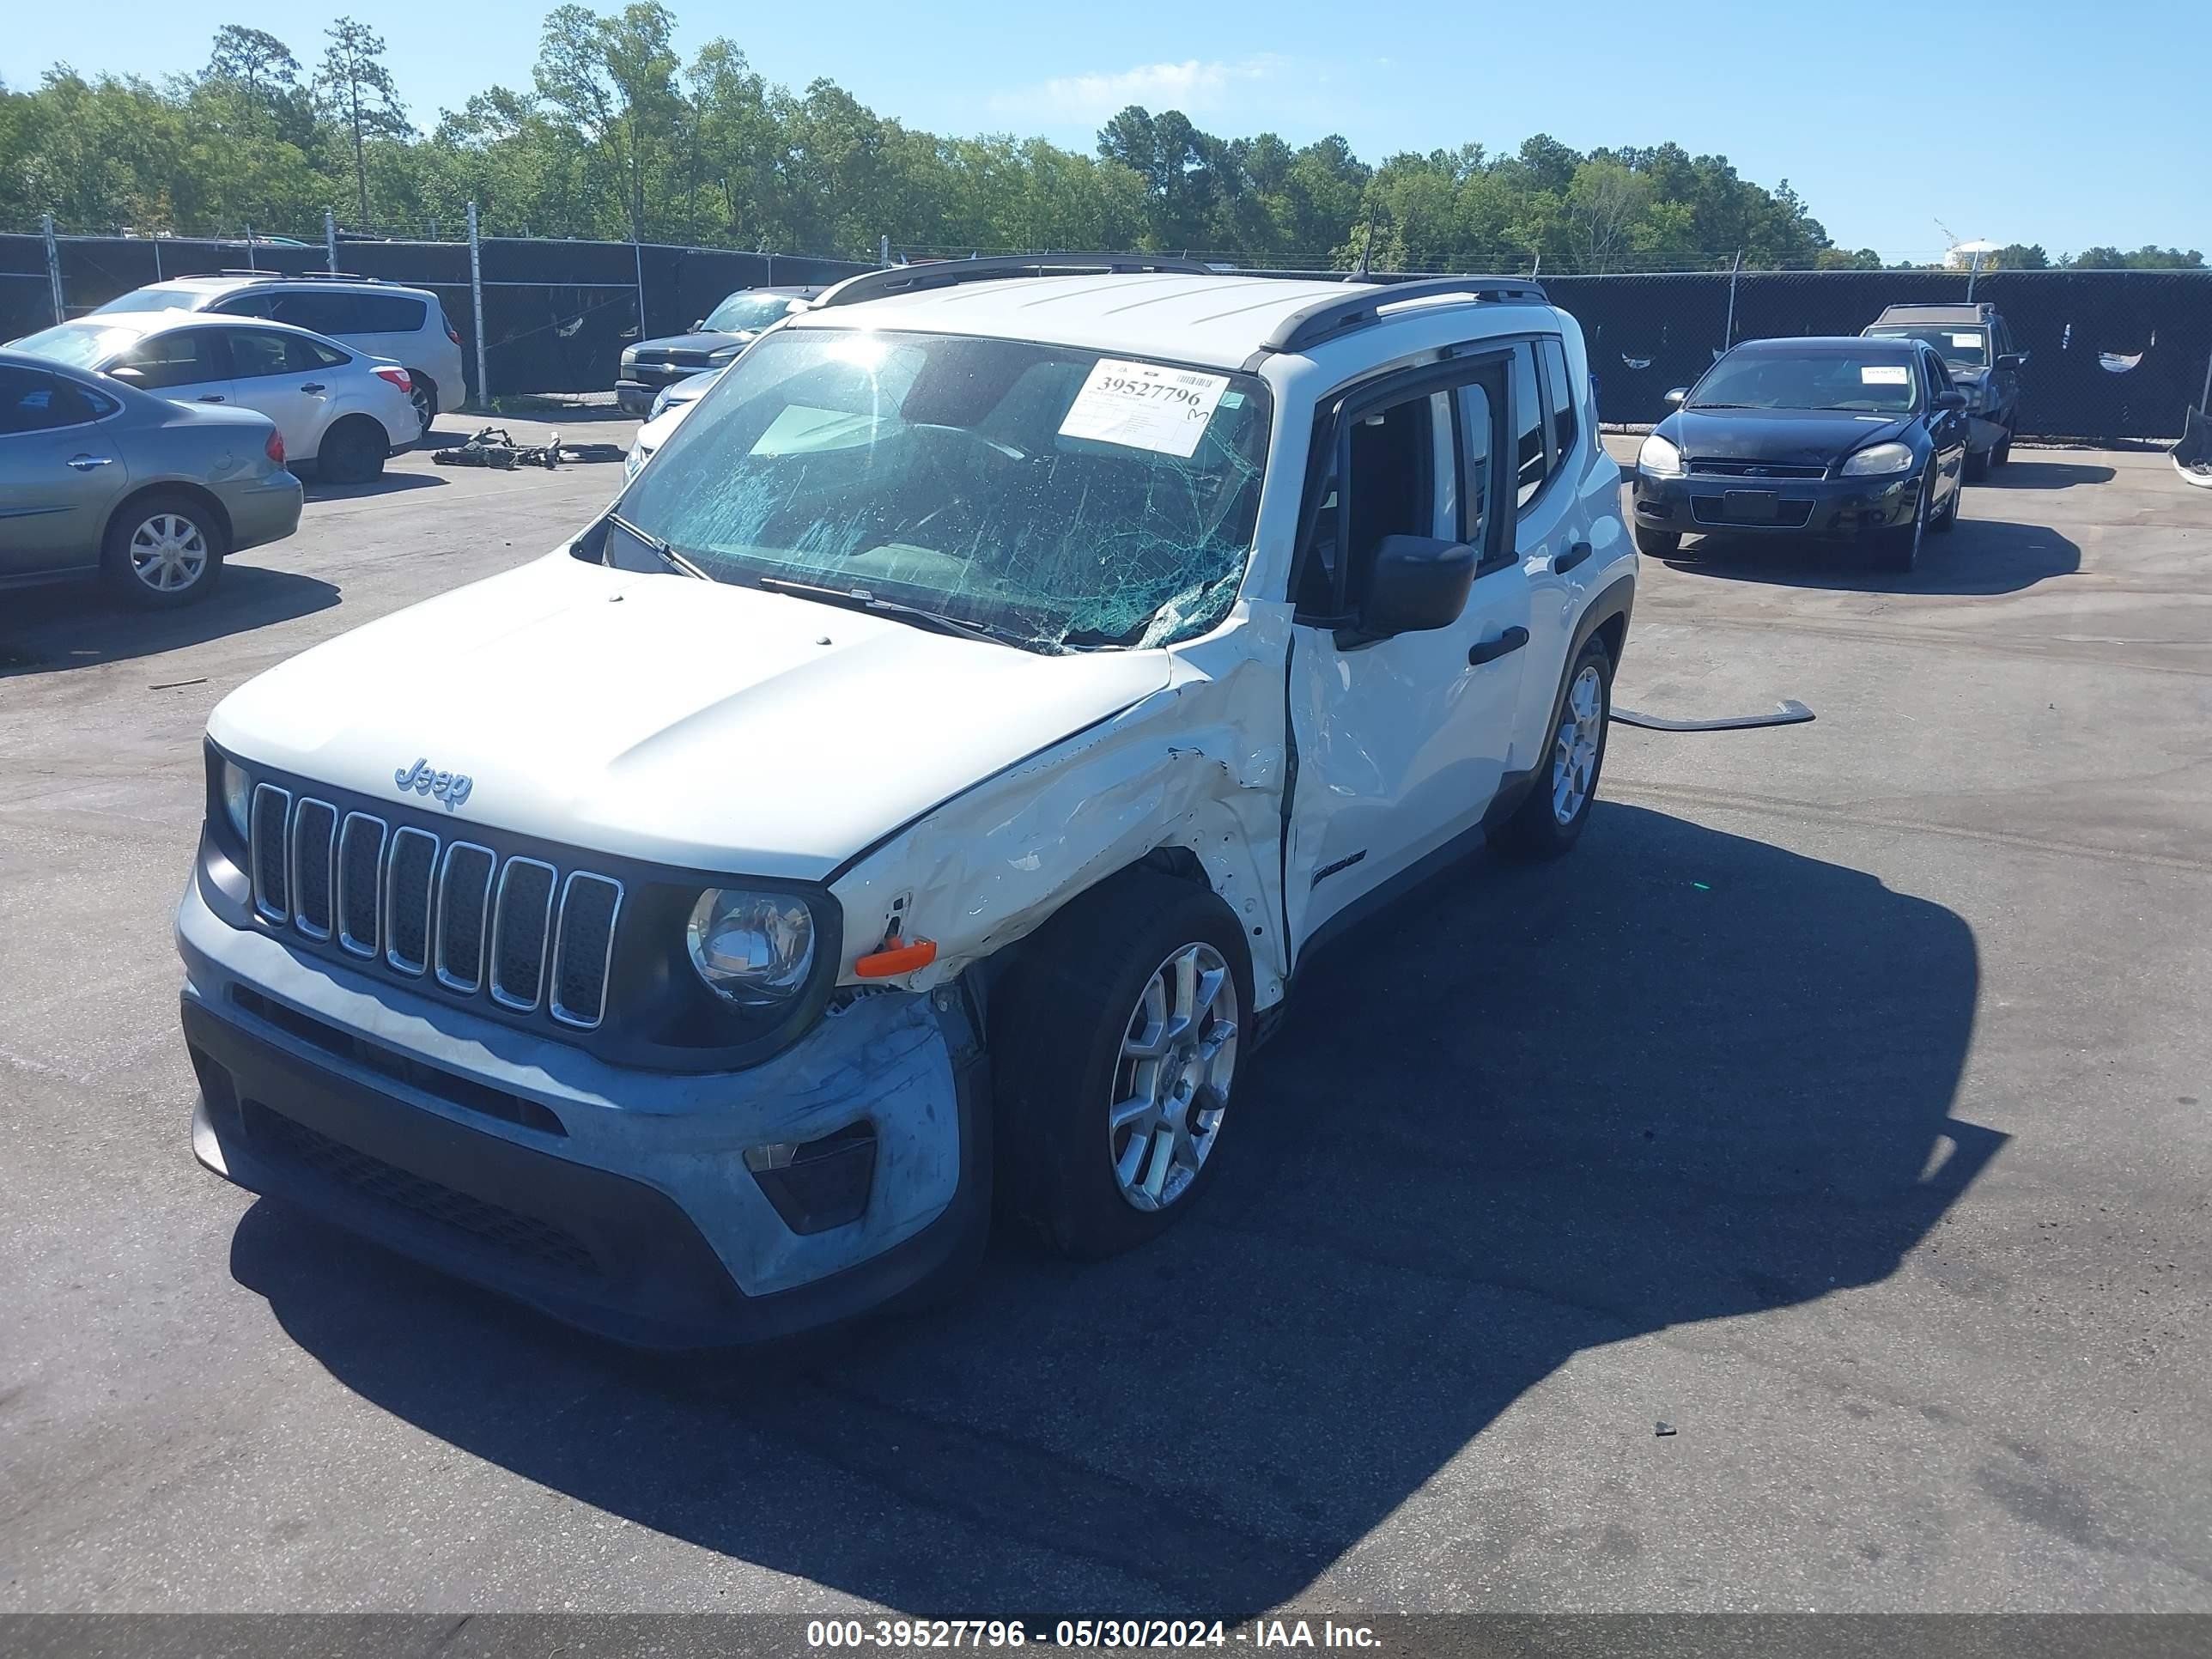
(339, 412)
(1855, 439)
(669, 409)
(1978, 350)
(927, 779)
(714, 342)
(98, 479)
(405, 325)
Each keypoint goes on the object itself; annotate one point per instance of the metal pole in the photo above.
(330, 241)
(637, 255)
(157, 256)
(1728, 337)
(54, 267)
(475, 293)
(251, 264)
(1973, 270)
(770, 283)
(2204, 400)
(883, 251)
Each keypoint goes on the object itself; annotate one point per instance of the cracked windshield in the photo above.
(1057, 498)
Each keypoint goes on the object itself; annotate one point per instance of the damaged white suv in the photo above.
(923, 783)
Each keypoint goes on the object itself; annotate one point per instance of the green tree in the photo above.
(356, 93)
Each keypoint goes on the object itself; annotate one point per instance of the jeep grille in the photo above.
(480, 923)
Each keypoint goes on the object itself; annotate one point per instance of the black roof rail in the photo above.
(952, 273)
(1325, 319)
(269, 276)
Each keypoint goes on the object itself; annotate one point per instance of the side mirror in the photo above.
(1953, 399)
(1674, 398)
(2012, 359)
(1418, 583)
(699, 325)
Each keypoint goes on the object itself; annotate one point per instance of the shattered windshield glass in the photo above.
(1061, 498)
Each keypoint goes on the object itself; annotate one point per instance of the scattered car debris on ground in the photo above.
(2192, 456)
(1789, 712)
(494, 446)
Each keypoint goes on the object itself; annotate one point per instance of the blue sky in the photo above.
(2039, 121)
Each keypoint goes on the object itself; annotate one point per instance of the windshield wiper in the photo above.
(859, 598)
(668, 555)
(1722, 406)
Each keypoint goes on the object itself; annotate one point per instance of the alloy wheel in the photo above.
(1574, 750)
(1170, 1089)
(425, 411)
(168, 553)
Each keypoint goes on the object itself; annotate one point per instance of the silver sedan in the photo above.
(99, 480)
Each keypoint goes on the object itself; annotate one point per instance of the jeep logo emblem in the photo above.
(450, 787)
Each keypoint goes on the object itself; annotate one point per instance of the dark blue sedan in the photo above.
(1860, 441)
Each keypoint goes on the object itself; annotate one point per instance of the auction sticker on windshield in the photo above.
(1144, 406)
(1883, 375)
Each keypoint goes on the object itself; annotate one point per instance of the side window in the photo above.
(1381, 484)
(33, 401)
(1480, 422)
(1531, 460)
(325, 314)
(1939, 378)
(388, 313)
(184, 357)
(305, 356)
(1557, 397)
(256, 352)
(243, 304)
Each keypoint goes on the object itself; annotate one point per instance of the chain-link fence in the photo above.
(2112, 354)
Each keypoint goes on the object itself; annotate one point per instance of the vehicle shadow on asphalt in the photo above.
(76, 625)
(1981, 555)
(388, 483)
(1685, 1076)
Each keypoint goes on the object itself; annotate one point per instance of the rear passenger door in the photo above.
(185, 365)
(60, 474)
(1552, 444)
(1401, 742)
(267, 379)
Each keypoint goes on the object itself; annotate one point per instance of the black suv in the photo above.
(714, 342)
(1977, 348)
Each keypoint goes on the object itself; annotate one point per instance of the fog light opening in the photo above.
(815, 1185)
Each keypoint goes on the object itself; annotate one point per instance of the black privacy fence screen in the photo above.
(2112, 353)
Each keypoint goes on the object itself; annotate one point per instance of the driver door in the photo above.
(1400, 742)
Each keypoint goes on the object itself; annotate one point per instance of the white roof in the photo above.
(1217, 320)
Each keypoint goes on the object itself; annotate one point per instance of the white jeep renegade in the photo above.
(924, 783)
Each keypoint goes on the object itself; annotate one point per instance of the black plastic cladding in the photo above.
(660, 1015)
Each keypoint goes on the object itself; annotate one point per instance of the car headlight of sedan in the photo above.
(1659, 458)
(754, 949)
(1879, 461)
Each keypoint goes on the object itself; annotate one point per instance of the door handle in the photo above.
(1504, 645)
(86, 463)
(1573, 556)
(313, 385)
(209, 397)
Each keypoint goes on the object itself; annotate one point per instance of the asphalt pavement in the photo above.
(1840, 1104)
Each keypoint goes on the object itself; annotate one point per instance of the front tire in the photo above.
(1899, 549)
(1117, 1041)
(161, 550)
(1550, 821)
(1658, 543)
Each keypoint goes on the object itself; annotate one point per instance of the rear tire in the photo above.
(424, 394)
(162, 549)
(1658, 543)
(1550, 821)
(352, 451)
(1101, 1149)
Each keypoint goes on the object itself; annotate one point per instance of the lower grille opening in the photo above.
(279, 1137)
(815, 1185)
(464, 1092)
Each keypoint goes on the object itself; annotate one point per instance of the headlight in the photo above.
(237, 799)
(637, 458)
(753, 949)
(1659, 458)
(660, 405)
(1877, 460)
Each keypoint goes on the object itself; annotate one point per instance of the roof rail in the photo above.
(952, 273)
(1325, 319)
(270, 275)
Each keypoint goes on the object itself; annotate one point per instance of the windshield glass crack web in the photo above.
(934, 472)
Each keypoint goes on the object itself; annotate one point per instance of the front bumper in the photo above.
(268, 510)
(1712, 504)
(613, 1199)
(640, 383)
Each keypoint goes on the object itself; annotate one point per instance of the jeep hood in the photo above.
(661, 718)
